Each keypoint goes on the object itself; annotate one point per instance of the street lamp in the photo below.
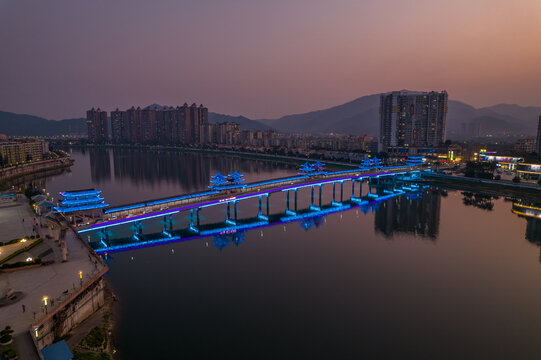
(81, 277)
(45, 299)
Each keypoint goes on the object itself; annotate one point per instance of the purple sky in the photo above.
(263, 58)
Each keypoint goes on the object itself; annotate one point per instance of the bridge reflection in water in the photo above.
(308, 208)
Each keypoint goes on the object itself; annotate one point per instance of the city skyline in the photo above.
(232, 57)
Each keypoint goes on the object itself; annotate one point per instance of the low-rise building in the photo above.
(525, 146)
(21, 151)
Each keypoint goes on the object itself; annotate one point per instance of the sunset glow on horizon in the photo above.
(263, 59)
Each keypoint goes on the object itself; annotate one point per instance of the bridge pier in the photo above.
(260, 210)
(228, 219)
(288, 210)
(312, 206)
(192, 227)
(167, 225)
(137, 230)
(334, 202)
(353, 196)
(103, 234)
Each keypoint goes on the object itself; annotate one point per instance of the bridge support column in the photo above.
(288, 210)
(137, 230)
(268, 206)
(104, 236)
(167, 225)
(334, 202)
(260, 210)
(312, 206)
(228, 219)
(295, 200)
(192, 227)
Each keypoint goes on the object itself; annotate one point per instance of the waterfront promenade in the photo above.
(57, 282)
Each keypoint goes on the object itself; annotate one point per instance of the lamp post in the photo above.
(45, 302)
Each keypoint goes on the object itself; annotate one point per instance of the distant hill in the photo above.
(28, 125)
(244, 122)
(360, 116)
(13, 124)
(214, 118)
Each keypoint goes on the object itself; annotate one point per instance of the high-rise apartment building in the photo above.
(98, 126)
(412, 120)
(159, 125)
(539, 136)
(118, 131)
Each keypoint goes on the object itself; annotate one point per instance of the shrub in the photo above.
(516, 179)
(7, 331)
(97, 338)
(11, 353)
(5, 339)
(5, 335)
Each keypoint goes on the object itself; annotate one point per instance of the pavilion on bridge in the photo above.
(80, 205)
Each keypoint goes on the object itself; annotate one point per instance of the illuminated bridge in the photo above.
(363, 188)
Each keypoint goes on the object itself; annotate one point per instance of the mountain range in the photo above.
(360, 116)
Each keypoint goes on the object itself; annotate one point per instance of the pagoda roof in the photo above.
(235, 175)
(218, 176)
(86, 192)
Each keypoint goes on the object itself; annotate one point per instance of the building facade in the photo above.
(166, 125)
(20, 152)
(525, 146)
(409, 120)
(97, 125)
(538, 145)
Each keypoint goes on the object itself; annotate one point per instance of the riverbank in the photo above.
(495, 187)
(13, 173)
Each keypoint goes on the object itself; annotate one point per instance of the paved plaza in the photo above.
(11, 220)
(56, 281)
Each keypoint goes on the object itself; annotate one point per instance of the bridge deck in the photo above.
(169, 206)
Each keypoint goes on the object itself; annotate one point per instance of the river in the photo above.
(437, 275)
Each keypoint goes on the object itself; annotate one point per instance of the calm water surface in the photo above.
(432, 276)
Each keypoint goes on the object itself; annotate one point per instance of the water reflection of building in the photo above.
(100, 164)
(419, 215)
(154, 167)
(531, 211)
(191, 169)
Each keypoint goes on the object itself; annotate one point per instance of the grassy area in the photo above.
(31, 243)
(96, 339)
